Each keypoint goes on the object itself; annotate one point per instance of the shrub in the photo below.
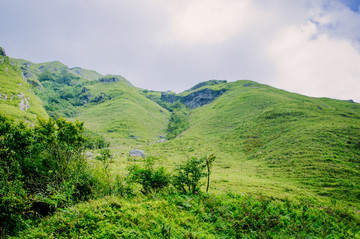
(42, 168)
(149, 177)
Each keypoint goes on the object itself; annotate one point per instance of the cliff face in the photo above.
(195, 99)
(201, 97)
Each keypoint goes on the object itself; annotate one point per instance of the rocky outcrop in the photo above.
(137, 153)
(2, 51)
(201, 97)
(99, 98)
(169, 97)
(108, 79)
(24, 104)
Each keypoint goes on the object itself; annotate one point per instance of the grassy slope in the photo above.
(13, 84)
(271, 141)
(128, 118)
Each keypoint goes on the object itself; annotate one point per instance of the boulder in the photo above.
(137, 153)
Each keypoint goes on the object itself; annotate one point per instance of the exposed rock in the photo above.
(169, 97)
(137, 153)
(250, 84)
(24, 104)
(162, 141)
(99, 98)
(89, 154)
(201, 97)
(2, 51)
(109, 79)
(84, 99)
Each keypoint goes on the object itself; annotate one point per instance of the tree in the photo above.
(209, 161)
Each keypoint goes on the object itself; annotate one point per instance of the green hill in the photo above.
(17, 100)
(270, 141)
(121, 113)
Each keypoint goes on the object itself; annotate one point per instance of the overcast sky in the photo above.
(310, 47)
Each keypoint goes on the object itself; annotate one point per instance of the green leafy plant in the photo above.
(187, 176)
(150, 177)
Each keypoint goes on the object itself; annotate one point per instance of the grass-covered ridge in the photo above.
(17, 100)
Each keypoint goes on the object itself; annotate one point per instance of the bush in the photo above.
(149, 177)
(42, 168)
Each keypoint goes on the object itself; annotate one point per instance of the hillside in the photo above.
(122, 114)
(270, 140)
(109, 105)
(17, 99)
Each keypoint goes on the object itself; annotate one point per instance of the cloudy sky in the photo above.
(310, 47)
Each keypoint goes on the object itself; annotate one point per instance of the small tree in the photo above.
(209, 161)
(188, 175)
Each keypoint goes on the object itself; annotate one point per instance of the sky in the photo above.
(311, 47)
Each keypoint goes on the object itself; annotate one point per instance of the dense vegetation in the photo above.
(42, 168)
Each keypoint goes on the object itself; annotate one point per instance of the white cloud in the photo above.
(208, 21)
(320, 66)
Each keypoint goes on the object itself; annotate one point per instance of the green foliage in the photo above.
(60, 93)
(198, 216)
(150, 177)
(187, 176)
(42, 168)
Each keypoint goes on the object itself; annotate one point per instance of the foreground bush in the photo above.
(42, 168)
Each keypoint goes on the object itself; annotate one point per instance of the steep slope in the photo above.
(121, 113)
(17, 100)
(267, 136)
